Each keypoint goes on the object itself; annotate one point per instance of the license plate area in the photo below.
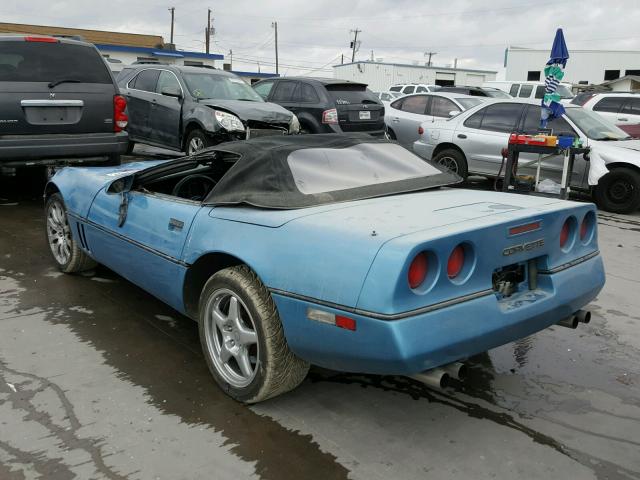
(365, 115)
(510, 279)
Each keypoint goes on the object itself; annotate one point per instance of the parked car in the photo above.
(530, 89)
(404, 116)
(471, 143)
(620, 108)
(477, 91)
(408, 88)
(387, 96)
(191, 108)
(325, 105)
(349, 257)
(58, 104)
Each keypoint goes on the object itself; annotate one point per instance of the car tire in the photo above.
(452, 160)
(130, 146)
(196, 140)
(307, 129)
(619, 191)
(113, 161)
(65, 251)
(254, 337)
(389, 134)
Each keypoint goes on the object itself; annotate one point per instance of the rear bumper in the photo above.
(24, 150)
(422, 149)
(417, 343)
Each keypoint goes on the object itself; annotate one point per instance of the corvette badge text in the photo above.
(523, 247)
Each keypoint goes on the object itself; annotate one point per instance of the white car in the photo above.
(621, 108)
(387, 96)
(530, 89)
(403, 117)
(408, 88)
(471, 143)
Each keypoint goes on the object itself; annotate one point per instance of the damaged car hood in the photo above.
(256, 111)
(605, 152)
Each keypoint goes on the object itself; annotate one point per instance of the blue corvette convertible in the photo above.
(345, 252)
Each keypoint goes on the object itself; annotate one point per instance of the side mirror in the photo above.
(453, 113)
(120, 185)
(171, 92)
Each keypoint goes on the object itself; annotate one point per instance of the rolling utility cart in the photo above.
(513, 153)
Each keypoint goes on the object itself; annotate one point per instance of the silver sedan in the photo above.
(404, 116)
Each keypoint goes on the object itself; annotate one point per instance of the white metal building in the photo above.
(584, 66)
(381, 75)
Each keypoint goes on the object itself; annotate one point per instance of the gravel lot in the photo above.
(100, 380)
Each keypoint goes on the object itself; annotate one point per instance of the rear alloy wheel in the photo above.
(65, 251)
(452, 160)
(243, 340)
(196, 141)
(389, 134)
(619, 191)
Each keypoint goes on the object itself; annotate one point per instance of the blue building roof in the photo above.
(159, 53)
(255, 74)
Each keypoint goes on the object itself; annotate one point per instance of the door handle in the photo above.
(395, 120)
(462, 135)
(623, 119)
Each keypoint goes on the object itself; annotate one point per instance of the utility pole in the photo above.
(429, 54)
(372, 56)
(275, 27)
(341, 58)
(207, 40)
(230, 59)
(354, 44)
(172, 10)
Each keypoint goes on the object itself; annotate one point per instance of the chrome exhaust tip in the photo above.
(569, 322)
(457, 370)
(583, 316)
(434, 378)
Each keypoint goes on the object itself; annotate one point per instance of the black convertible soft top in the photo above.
(297, 171)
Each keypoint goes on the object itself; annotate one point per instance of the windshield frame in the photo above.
(577, 116)
(189, 78)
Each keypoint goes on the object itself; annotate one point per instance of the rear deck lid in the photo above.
(358, 108)
(50, 86)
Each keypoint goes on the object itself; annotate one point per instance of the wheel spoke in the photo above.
(225, 354)
(246, 336)
(219, 318)
(244, 363)
(233, 315)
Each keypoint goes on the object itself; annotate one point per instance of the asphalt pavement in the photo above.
(100, 380)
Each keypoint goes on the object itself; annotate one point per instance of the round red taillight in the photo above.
(420, 130)
(456, 262)
(418, 270)
(564, 233)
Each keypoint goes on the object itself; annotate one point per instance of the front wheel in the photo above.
(619, 191)
(67, 254)
(196, 141)
(243, 340)
(452, 160)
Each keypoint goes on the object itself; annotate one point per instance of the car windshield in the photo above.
(467, 103)
(594, 126)
(495, 93)
(564, 92)
(207, 85)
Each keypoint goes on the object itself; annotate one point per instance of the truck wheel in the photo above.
(619, 191)
(453, 160)
(196, 141)
(67, 254)
(243, 340)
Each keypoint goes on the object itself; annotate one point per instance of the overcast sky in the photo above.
(312, 35)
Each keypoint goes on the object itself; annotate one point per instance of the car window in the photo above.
(146, 80)
(203, 85)
(467, 103)
(559, 126)
(539, 91)
(415, 104)
(474, 120)
(632, 106)
(421, 89)
(397, 104)
(609, 104)
(409, 89)
(308, 94)
(351, 93)
(167, 80)
(513, 91)
(48, 62)
(396, 88)
(263, 89)
(525, 91)
(285, 91)
(123, 75)
(501, 117)
(440, 107)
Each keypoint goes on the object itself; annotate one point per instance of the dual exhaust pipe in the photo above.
(581, 316)
(441, 377)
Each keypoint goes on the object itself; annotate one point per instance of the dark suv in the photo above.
(325, 105)
(59, 104)
(191, 108)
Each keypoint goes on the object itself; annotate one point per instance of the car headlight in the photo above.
(294, 125)
(229, 121)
